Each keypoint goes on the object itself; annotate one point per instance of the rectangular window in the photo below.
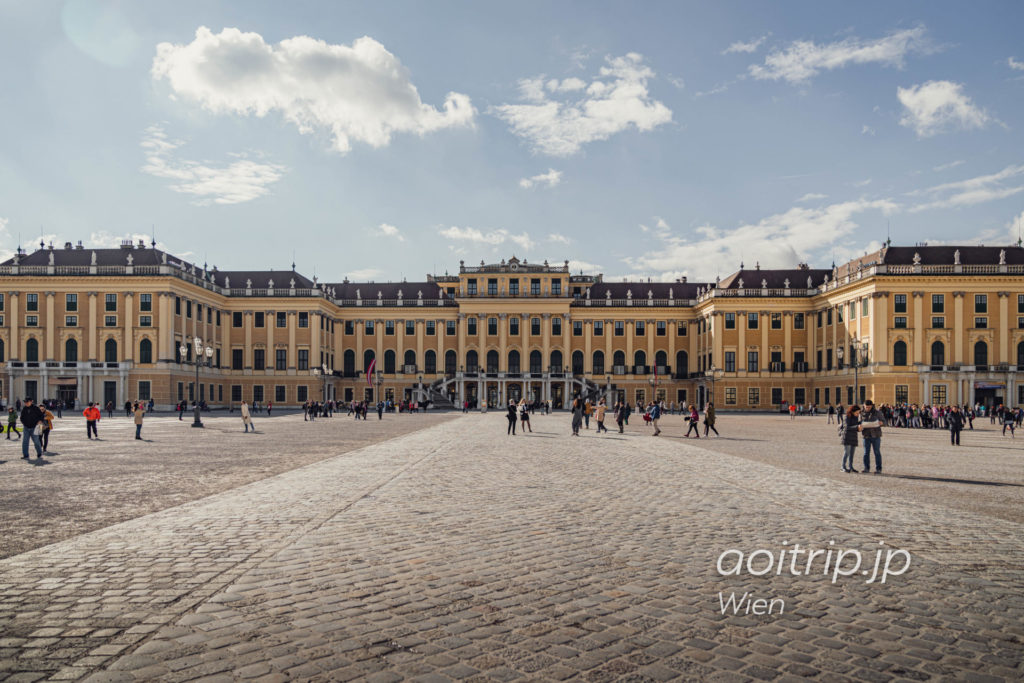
(863, 308)
(389, 328)
(938, 323)
(839, 314)
(282, 319)
(776, 321)
(257, 393)
(71, 303)
(303, 359)
(900, 322)
(281, 359)
(236, 319)
(471, 286)
(938, 394)
(1020, 304)
(410, 328)
(900, 303)
(853, 310)
(902, 393)
(145, 321)
(751, 321)
(981, 323)
(730, 396)
(798, 321)
(31, 321)
(981, 303)
(513, 325)
(449, 328)
(828, 316)
(938, 303)
(260, 319)
(350, 327)
(730, 362)
(620, 328)
(776, 396)
(660, 327)
(280, 393)
(2, 301)
(492, 326)
(71, 321)
(639, 328)
(145, 390)
(556, 327)
(752, 361)
(145, 302)
(209, 320)
(1020, 326)
(492, 286)
(304, 319)
(753, 396)
(471, 326)
(577, 328)
(730, 321)
(301, 393)
(556, 287)
(598, 328)
(513, 287)
(237, 359)
(199, 313)
(236, 393)
(535, 286)
(31, 302)
(368, 327)
(110, 302)
(177, 305)
(259, 359)
(110, 321)
(681, 329)
(188, 309)
(431, 328)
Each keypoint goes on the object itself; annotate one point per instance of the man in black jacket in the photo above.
(871, 430)
(30, 417)
(955, 421)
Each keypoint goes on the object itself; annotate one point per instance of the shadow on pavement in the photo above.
(954, 481)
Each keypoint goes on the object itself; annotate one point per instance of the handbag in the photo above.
(38, 429)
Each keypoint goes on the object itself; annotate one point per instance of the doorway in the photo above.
(109, 393)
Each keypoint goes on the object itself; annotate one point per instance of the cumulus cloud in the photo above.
(778, 241)
(387, 230)
(551, 178)
(558, 239)
(811, 197)
(365, 274)
(611, 103)
(239, 181)
(584, 266)
(358, 93)
(803, 59)
(1014, 64)
(745, 47)
(937, 107)
(490, 238)
(977, 190)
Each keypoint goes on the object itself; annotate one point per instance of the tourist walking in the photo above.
(92, 416)
(140, 412)
(620, 414)
(524, 416)
(510, 414)
(47, 424)
(588, 410)
(599, 412)
(694, 419)
(1009, 420)
(110, 409)
(655, 416)
(12, 422)
(577, 416)
(955, 422)
(247, 418)
(128, 410)
(831, 413)
(848, 426)
(871, 430)
(31, 422)
(709, 419)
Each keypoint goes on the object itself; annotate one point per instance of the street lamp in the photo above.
(323, 371)
(860, 356)
(654, 387)
(197, 344)
(380, 380)
(711, 373)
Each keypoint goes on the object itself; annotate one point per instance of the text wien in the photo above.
(748, 605)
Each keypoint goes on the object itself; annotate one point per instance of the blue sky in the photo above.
(384, 140)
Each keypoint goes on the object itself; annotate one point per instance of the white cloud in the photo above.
(577, 266)
(937, 107)
(811, 197)
(1014, 64)
(551, 178)
(5, 238)
(387, 230)
(610, 104)
(747, 48)
(779, 241)
(717, 89)
(358, 93)
(364, 274)
(102, 239)
(239, 181)
(867, 130)
(985, 188)
(559, 239)
(491, 237)
(803, 59)
(862, 183)
(946, 167)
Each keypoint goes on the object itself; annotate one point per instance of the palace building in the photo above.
(923, 324)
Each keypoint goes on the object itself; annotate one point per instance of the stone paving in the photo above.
(459, 553)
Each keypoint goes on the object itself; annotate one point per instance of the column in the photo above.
(51, 334)
(717, 341)
(271, 323)
(481, 343)
(247, 321)
(293, 352)
(421, 331)
(316, 319)
(880, 327)
(165, 339)
(545, 333)
(502, 344)
(566, 351)
(378, 333)
(787, 339)
(630, 335)
(651, 331)
(835, 335)
(460, 323)
(609, 332)
(439, 331)
(90, 333)
(129, 328)
(588, 354)
(958, 334)
(812, 339)
(741, 350)
(360, 326)
(764, 353)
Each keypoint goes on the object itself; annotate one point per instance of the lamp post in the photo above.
(323, 371)
(379, 381)
(197, 344)
(860, 355)
(654, 387)
(710, 372)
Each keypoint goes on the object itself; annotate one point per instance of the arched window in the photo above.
(598, 363)
(938, 353)
(410, 358)
(639, 358)
(619, 360)
(32, 351)
(145, 351)
(682, 363)
(492, 361)
(348, 360)
(472, 361)
(536, 362)
(430, 362)
(1020, 353)
(899, 353)
(451, 362)
(71, 351)
(513, 362)
(577, 362)
(110, 351)
(368, 357)
(981, 353)
(661, 359)
(556, 361)
(389, 362)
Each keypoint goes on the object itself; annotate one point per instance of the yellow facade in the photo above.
(110, 331)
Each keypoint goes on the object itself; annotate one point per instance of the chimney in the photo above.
(141, 245)
(67, 245)
(683, 279)
(126, 244)
(79, 245)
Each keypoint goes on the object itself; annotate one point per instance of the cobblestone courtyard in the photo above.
(454, 552)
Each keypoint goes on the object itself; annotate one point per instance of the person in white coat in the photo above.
(247, 418)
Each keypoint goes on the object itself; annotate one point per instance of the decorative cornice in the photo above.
(917, 294)
(959, 294)
(879, 295)
(1002, 294)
